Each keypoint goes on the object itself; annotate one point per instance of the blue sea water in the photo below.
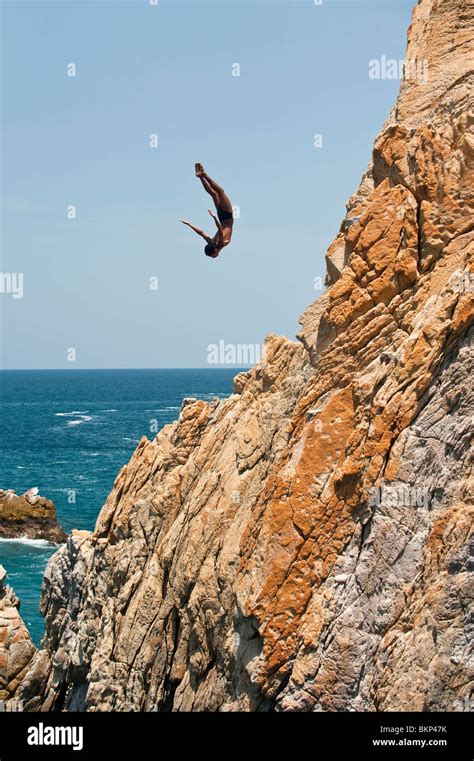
(72, 430)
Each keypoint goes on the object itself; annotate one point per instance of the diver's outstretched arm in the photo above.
(197, 230)
(218, 224)
(216, 219)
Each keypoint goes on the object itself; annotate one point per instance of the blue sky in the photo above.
(84, 140)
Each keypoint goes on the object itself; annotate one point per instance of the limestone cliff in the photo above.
(304, 544)
(29, 515)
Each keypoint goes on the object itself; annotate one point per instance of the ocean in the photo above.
(69, 432)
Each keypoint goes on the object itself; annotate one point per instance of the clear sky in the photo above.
(84, 140)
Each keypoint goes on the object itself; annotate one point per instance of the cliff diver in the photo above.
(224, 218)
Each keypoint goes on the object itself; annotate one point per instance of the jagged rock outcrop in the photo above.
(29, 516)
(304, 544)
(16, 646)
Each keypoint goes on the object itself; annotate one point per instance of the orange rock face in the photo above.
(304, 544)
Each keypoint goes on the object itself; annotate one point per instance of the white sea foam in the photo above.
(69, 414)
(162, 409)
(79, 417)
(26, 540)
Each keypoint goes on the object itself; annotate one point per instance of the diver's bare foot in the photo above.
(199, 169)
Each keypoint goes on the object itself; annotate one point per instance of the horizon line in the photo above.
(90, 369)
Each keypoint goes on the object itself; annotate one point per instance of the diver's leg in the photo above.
(207, 187)
(216, 188)
(221, 200)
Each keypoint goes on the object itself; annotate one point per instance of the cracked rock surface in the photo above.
(16, 646)
(304, 544)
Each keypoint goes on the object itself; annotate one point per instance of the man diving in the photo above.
(224, 219)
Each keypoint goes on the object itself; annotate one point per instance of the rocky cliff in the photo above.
(304, 544)
(29, 515)
(16, 646)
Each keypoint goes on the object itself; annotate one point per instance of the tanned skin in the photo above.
(223, 219)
